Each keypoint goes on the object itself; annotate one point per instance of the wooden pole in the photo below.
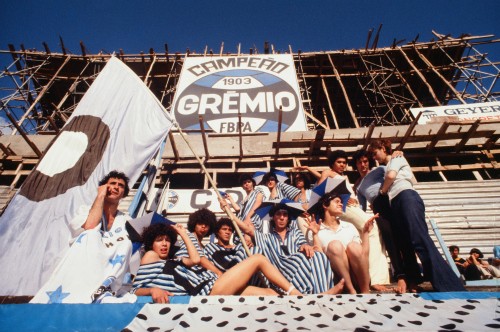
(329, 103)
(344, 91)
(40, 95)
(23, 134)
(212, 183)
(431, 66)
(417, 71)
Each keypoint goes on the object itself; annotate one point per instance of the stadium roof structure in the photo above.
(349, 98)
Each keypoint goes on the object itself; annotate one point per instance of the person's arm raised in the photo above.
(194, 256)
(95, 213)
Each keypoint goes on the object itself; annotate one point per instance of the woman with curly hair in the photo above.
(201, 224)
(163, 273)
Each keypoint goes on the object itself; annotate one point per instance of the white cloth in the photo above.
(360, 312)
(345, 233)
(121, 125)
(95, 259)
(377, 260)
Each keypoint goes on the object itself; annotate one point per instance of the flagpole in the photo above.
(226, 207)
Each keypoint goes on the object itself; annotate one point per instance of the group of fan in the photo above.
(297, 240)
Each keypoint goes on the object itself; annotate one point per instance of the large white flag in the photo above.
(118, 125)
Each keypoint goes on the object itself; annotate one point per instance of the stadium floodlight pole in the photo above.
(226, 207)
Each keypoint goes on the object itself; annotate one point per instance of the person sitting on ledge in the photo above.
(163, 274)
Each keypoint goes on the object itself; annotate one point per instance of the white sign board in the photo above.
(463, 112)
(190, 200)
(221, 88)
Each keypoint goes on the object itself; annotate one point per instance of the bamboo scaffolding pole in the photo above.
(325, 90)
(402, 78)
(70, 91)
(470, 79)
(429, 87)
(226, 208)
(23, 134)
(445, 81)
(379, 86)
(42, 93)
(150, 69)
(344, 91)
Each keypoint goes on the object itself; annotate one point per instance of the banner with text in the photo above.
(190, 200)
(221, 88)
(463, 112)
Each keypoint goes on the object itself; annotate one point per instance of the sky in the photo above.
(311, 25)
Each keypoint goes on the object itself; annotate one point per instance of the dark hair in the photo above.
(452, 248)
(334, 155)
(379, 144)
(276, 208)
(203, 216)
(116, 175)
(305, 177)
(150, 233)
(267, 176)
(244, 177)
(223, 222)
(325, 202)
(360, 154)
(476, 251)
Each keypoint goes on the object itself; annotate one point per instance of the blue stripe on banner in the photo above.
(67, 317)
(459, 295)
(178, 299)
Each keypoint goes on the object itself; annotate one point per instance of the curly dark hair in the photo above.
(223, 222)
(334, 155)
(360, 154)
(203, 216)
(245, 177)
(150, 233)
(116, 175)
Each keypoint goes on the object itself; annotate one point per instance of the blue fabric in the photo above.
(67, 317)
(459, 295)
(397, 241)
(409, 214)
(496, 252)
(178, 299)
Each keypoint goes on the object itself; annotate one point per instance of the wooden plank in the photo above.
(467, 136)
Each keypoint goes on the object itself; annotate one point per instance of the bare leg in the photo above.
(381, 288)
(402, 286)
(337, 289)
(359, 266)
(254, 291)
(235, 280)
(340, 264)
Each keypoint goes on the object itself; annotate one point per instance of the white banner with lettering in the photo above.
(221, 88)
(190, 200)
(463, 112)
